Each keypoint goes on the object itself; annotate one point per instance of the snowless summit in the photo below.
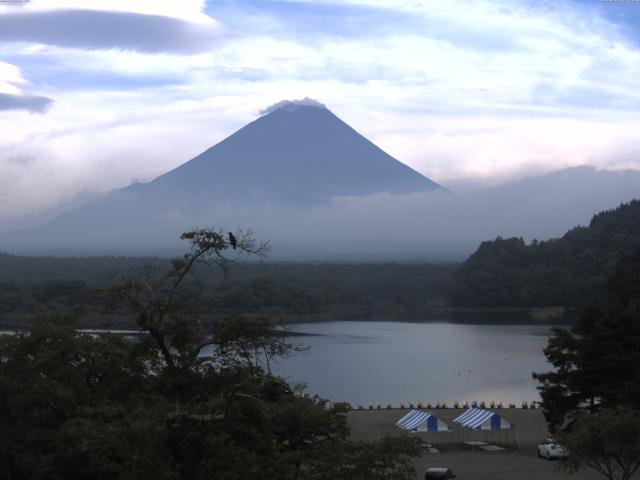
(296, 148)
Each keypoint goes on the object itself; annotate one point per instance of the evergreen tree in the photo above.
(597, 363)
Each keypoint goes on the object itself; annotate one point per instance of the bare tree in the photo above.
(155, 296)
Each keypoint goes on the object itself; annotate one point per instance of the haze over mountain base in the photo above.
(382, 226)
(319, 190)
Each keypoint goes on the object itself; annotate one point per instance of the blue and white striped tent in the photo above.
(419, 421)
(479, 419)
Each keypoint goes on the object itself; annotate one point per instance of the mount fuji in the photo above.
(297, 153)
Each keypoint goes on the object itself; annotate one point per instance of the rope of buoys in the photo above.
(496, 362)
(456, 405)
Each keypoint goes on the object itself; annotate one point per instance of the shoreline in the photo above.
(441, 314)
(124, 327)
(454, 315)
(446, 314)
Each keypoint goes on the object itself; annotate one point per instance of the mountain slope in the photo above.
(294, 150)
(569, 271)
(301, 155)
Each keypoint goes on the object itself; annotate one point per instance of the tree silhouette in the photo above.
(155, 297)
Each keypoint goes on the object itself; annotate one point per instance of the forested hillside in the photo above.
(32, 288)
(570, 271)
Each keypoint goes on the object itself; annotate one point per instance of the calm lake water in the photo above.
(393, 362)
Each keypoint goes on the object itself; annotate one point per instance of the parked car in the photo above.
(550, 448)
(438, 472)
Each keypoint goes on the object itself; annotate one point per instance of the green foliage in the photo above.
(597, 363)
(32, 288)
(607, 441)
(570, 271)
(387, 459)
(158, 302)
(56, 386)
(79, 406)
(249, 342)
(184, 400)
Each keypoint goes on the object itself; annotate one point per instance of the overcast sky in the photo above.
(97, 93)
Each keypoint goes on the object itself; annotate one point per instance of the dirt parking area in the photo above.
(517, 461)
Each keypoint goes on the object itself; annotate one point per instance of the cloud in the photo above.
(383, 226)
(191, 10)
(12, 94)
(96, 29)
(31, 103)
(306, 102)
(24, 160)
(454, 89)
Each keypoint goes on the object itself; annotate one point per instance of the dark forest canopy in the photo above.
(591, 398)
(570, 271)
(31, 287)
(596, 363)
(189, 399)
(76, 406)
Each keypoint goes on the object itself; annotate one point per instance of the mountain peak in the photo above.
(298, 154)
(293, 105)
(297, 147)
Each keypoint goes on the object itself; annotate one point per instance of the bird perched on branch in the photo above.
(232, 240)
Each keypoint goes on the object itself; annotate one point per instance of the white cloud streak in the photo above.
(95, 29)
(189, 10)
(13, 95)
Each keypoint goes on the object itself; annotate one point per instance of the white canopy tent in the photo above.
(419, 421)
(478, 419)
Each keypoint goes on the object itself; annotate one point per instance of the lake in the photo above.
(393, 362)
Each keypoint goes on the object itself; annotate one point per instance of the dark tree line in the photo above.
(188, 399)
(34, 287)
(571, 271)
(597, 362)
(592, 396)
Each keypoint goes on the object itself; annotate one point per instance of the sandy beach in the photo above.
(517, 461)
